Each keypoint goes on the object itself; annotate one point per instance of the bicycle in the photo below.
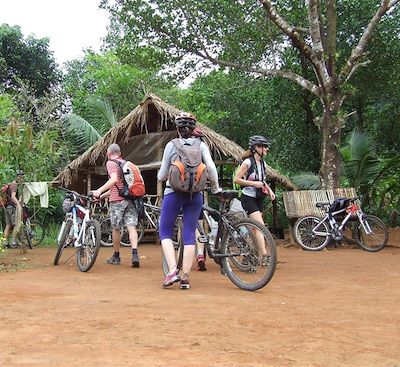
(106, 230)
(236, 247)
(32, 230)
(313, 233)
(79, 230)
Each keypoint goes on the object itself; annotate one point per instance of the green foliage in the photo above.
(34, 153)
(7, 108)
(26, 58)
(105, 77)
(238, 106)
(307, 181)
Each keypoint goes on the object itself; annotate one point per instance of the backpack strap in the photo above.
(253, 168)
(119, 165)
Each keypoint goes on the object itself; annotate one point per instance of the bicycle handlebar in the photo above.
(89, 197)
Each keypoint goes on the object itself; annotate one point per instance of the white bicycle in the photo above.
(79, 230)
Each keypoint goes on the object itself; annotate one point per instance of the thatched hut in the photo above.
(142, 136)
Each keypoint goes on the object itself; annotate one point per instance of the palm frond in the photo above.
(103, 111)
(307, 181)
(85, 133)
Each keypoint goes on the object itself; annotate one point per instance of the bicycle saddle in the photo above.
(229, 194)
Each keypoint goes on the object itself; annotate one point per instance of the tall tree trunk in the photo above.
(330, 155)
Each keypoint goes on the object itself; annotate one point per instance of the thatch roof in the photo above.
(152, 118)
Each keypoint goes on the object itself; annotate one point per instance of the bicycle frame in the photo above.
(77, 233)
(153, 209)
(224, 228)
(351, 210)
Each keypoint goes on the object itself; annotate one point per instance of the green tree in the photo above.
(105, 76)
(28, 59)
(238, 35)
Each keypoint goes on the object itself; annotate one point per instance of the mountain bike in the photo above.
(79, 230)
(106, 234)
(33, 231)
(236, 248)
(313, 233)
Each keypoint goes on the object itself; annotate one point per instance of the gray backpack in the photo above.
(187, 173)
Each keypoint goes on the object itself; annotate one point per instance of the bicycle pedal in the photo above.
(202, 239)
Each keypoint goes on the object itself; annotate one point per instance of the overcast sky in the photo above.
(71, 25)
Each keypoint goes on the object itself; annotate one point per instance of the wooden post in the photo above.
(88, 183)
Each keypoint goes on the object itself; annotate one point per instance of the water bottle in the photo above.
(214, 230)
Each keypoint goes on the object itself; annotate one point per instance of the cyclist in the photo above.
(174, 202)
(121, 210)
(10, 208)
(251, 175)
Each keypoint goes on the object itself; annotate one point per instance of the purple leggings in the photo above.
(171, 206)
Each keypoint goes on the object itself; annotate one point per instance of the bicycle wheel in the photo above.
(178, 247)
(125, 241)
(106, 233)
(37, 232)
(378, 237)
(303, 232)
(24, 237)
(242, 261)
(63, 240)
(87, 253)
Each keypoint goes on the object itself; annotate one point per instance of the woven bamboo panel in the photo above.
(301, 203)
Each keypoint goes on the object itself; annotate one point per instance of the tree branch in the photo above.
(358, 51)
(298, 42)
(315, 33)
(304, 83)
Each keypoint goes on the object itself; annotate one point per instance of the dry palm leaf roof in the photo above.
(151, 115)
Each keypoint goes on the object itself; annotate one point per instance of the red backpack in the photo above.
(133, 184)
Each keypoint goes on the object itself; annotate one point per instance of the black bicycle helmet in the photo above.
(258, 140)
(185, 119)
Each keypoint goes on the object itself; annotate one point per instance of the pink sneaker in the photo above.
(171, 279)
(201, 263)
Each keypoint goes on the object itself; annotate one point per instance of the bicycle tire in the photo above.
(24, 237)
(242, 262)
(87, 253)
(306, 238)
(63, 240)
(379, 233)
(178, 248)
(106, 233)
(38, 232)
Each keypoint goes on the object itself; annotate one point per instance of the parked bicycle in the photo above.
(79, 230)
(313, 233)
(236, 246)
(32, 231)
(148, 223)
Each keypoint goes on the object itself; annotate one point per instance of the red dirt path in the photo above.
(338, 307)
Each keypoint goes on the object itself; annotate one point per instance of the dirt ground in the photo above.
(337, 307)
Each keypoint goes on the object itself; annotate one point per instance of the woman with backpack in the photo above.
(177, 198)
(251, 176)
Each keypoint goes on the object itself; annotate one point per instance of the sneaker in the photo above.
(114, 260)
(201, 263)
(135, 261)
(185, 284)
(171, 279)
(266, 260)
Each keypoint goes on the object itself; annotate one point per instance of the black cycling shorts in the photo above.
(251, 205)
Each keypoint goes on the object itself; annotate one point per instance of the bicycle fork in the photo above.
(364, 223)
